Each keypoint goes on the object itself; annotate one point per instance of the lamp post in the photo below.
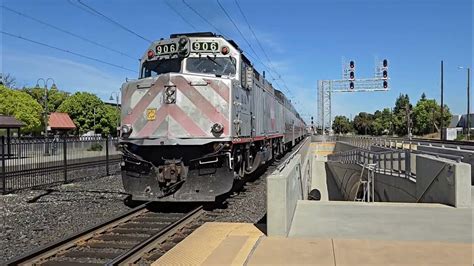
(45, 114)
(468, 124)
(117, 97)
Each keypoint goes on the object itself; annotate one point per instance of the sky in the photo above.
(305, 40)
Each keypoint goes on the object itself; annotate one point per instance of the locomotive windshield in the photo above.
(211, 65)
(157, 67)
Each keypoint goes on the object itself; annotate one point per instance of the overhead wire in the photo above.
(113, 21)
(66, 51)
(81, 7)
(180, 15)
(68, 32)
(253, 33)
(261, 46)
(202, 17)
(272, 67)
(253, 50)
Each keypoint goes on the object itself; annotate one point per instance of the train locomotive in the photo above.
(198, 118)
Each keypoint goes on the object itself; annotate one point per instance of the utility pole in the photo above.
(442, 104)
(94, 121)
(46, 113)
(468, 122)
(407, 109)
(117, 96)
(468, 104)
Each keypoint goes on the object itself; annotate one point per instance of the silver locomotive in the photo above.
(198, 118)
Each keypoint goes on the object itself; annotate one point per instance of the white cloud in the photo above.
(69, 75)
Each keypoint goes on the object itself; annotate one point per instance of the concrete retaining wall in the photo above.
(344, 146)
(284, 189)
(443, 181)
(468, 155)
(438, 181)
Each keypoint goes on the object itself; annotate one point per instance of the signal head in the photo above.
(385, 63)
(352, 64)
(351, 75)
(385, 74)
(385, 84)
(351, 85)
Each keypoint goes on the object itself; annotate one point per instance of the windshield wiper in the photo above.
(213, 60)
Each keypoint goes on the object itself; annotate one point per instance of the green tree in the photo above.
(89, 113)
(382, 122)
(427, 116)
(112, 116)
(401, 112)
(55, 96)
(363, 122)
(23, 107)
(341, 124)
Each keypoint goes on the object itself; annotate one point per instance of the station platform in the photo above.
(424, 222)
(246, 244)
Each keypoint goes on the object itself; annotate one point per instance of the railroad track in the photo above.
(140, 236)
(120, 241)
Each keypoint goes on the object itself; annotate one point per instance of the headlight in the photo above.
(126, 130)
(217, 128)
(170, 91)
(170, 95)
(171, 99)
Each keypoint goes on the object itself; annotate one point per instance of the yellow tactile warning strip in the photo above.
(323, 148)
(214, 244)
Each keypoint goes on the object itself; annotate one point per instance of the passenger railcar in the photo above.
(199, 117)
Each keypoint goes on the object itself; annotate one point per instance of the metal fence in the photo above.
(393, 162)
(392, 156)
(28, 163)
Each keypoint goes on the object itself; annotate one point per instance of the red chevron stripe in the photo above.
(220, 88)
(145, 101)
(185, 121)
(151, 126)
(201, 103)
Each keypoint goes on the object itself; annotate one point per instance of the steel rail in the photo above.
(136, 253)
(47, 251)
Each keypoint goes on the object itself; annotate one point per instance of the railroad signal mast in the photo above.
(349, 83)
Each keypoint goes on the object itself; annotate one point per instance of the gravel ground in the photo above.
(249, 205)
(32, 218)
(37, 217)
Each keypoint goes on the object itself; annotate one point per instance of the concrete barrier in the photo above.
(284, 189)
(438, 180)
(344, 146)
(443, 181)
(468, 155)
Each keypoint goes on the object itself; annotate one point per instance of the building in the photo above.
(60, 123)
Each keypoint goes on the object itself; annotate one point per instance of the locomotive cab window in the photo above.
(218, 66)
(157, 67)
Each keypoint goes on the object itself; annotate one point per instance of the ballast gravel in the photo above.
(32, 218)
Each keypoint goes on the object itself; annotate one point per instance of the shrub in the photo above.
(95, 147)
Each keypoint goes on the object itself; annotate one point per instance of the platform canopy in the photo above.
(60, 121)
(10, 122)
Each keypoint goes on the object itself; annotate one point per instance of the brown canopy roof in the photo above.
(60, 121)
(10, 122)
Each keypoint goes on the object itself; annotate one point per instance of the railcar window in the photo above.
(157, 67)
(211, 65)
